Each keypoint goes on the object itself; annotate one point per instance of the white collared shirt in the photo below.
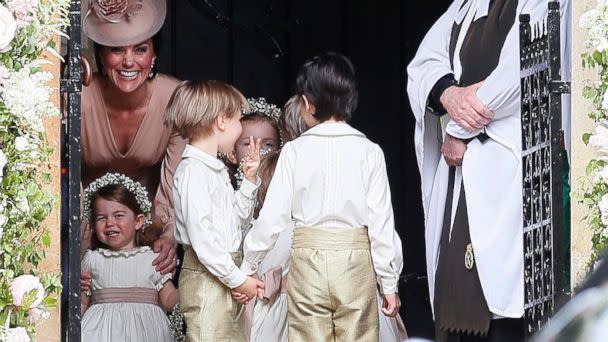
(330, 177)
(209, 213)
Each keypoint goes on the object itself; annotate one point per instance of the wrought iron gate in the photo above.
(542, 149)
(71, 85)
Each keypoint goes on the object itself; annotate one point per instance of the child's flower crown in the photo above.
(260, 105)
(140, 192)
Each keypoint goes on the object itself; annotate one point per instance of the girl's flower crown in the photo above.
(140, 192)
(260, 105)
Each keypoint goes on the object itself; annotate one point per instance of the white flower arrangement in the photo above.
(594, 193)
(26, 31)
(140, 192)
(31, 108)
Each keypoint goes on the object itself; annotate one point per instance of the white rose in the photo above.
(21, 144)
(603, 205)
(7, 28)
(589, 18)
(22, 204)
(605, 101)
(24, 284)
(599, 140)
(34, 315)
(601, 176)
(18, 334)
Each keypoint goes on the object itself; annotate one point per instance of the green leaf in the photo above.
(46, 239)
(597, 57)
(586, 137)
(594, 165)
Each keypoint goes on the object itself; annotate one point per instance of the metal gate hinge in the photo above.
(559, 87)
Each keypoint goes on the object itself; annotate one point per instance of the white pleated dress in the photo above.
(270, 319)
(117, 322)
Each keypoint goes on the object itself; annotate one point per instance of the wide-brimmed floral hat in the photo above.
(122, 22)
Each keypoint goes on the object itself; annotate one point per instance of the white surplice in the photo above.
(491, 171)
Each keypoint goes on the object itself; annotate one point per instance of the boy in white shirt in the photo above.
(208, 212)
(332, 182)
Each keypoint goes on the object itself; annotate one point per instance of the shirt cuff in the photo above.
(249, 189)
(234, 279)
(389, 285)
(249, 268)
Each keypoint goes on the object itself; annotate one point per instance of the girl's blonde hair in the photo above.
(292, 124)
(266, 170)
(195, 105)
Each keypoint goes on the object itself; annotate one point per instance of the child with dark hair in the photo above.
(332, 183)
(127, 292)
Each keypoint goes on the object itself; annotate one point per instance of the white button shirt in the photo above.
(330, 177)
(209, 213)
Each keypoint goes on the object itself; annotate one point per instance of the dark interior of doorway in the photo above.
(258, 46)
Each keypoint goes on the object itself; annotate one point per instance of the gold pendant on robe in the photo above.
(469, 258)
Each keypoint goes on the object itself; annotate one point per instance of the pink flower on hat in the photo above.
(24, 284)
(109, 7)
(7, 29)
(24, 11)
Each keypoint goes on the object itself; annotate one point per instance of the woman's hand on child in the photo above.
(85, 281)
(166, 261)
(391, 305)
(249, 288)
(252, 161)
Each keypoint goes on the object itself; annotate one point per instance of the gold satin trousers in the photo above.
(209, 311)
(332, 287)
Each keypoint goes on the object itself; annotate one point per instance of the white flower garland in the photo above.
(26, 31)
(140, 192)
(594, 194)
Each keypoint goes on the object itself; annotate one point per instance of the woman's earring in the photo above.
(151, 74)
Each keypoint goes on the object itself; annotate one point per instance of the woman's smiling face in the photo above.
(128, 67)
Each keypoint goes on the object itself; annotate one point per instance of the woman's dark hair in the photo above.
(117, 193)
(328, 82)
(156, 45)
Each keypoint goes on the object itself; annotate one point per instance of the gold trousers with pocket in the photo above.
(209, 311)
(332, 286)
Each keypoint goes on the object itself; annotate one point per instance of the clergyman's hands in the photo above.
(453, 150)
(465, 108)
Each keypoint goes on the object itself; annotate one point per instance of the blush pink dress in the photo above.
(152, 157)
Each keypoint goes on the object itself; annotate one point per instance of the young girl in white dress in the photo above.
(129, 298)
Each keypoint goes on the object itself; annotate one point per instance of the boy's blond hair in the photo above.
(195, 105)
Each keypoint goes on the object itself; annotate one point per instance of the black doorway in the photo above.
(258, 46)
